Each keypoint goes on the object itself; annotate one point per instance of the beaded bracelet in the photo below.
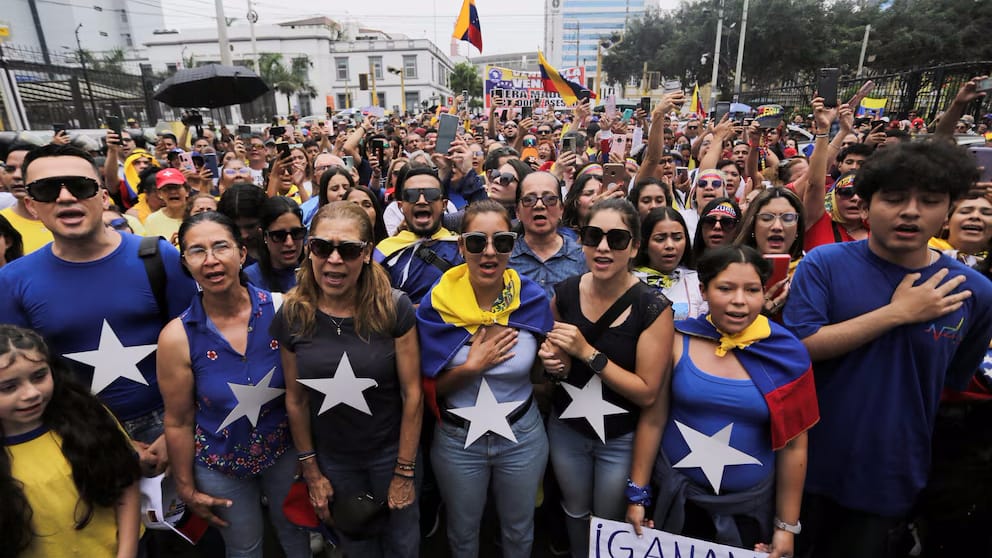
(303, 456)
(402, 476)
(638, 495)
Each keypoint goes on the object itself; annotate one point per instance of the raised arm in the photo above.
(814, 185)
(656, 134)
(968, 93)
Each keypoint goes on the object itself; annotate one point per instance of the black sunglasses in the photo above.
(348, 250)
(616, 239)
(47, 190)
(530, 200)
(502, 178)
(847, 192)
(476, 242)
(724, 222)
(412, 195)
(280, 235)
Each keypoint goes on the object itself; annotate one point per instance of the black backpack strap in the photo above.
(431, 257)
(612, 313)
(150, 256)
(837, 238)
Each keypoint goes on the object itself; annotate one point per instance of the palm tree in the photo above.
(288, 81)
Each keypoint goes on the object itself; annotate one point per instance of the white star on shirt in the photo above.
(712, 454)
(250, 400)
(588, 403)
(112, 360)
(344, 387)
(488, 415)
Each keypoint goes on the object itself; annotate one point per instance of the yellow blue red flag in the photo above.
(467, 26)
(553, 81)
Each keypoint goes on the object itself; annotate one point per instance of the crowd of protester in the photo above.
(701, 326)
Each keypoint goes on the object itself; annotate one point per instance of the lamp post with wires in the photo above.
(86, 77)
(400, 72)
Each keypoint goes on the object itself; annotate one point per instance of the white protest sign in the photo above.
(161, 507)
(615, 539)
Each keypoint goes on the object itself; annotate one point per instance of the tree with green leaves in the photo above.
(465, 76)
(287, 81)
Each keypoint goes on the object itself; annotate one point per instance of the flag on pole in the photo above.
(695, 106)
(553, 81)
(467, 27)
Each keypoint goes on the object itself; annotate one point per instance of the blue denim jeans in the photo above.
(516, 469)
(243, 535)
(348, 476)
(146, 428)
(592, 477)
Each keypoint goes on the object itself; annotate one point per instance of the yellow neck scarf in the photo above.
(454, 300)
(758, 330)
(405, 238)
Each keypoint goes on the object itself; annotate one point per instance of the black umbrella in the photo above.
(211, 86)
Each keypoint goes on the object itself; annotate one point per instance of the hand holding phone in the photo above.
(780, 270)
(826, 86)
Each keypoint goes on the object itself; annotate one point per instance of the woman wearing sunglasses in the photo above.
(725, 440)
(717, 226)
(221, 378)
(279, 247)
(352, 363)
(504, 183)
(774, 225)
(665, 262)
(710, 185)
(480, 329)
(611, 335)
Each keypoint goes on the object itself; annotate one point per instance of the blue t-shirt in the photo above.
(100, 315)
(309, 209)
(241, 422)
(871, 448)
(285, 279)
(568, 261)
(709, 405)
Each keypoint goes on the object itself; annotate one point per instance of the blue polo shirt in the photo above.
(566, 262)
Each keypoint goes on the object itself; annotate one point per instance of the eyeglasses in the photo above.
(48, 190)
(412, 195)
(198, 254)
(704, 184)
(724, 222)
(549, 200)
(476, 242)
(666, 161)
(257, 146)
(692, 127)
(543, 132)
(502, 178)
(348, 249)
(235, 172)
(616, 239)
(787, 218)
(280, 235)
(846, 192)
(119, 224)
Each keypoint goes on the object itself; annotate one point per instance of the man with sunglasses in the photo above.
(417, 256)
(33, 232)
(108, 342)
(543, 253)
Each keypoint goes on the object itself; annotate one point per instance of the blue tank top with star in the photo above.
(241, 422)
(718, 429)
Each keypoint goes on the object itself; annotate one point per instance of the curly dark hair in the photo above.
(102, 460)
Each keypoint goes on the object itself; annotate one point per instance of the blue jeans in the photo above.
(243, 535)
(463, 474)
(592, 477)
(350, 476)
(146, 428)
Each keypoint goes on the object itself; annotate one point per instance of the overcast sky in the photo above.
(507, 25)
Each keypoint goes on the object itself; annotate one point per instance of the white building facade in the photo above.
(573, 28)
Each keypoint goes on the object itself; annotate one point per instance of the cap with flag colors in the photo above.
(553, 81)
(467, 27)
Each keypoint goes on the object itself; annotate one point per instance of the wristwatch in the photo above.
(597, 362)
(794, 529)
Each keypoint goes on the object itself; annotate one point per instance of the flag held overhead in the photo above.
(553, 81)
(467, 26)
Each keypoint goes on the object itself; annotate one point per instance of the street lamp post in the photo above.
(716, 55)
(400, 72)
(86, 77)
(740, 54)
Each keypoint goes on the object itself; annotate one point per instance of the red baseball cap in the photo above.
(169, 176)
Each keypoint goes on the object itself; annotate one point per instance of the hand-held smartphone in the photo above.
(379, 146)
(780, 269)
(59, 128)
(283, 149)
(210, 161)
(826, 86)
(984, 85)
(616, 173)
(646, 104)
(983, 158)
(277, 131)
(627, 115)
(290, 130)
(349, 162)
(114, 124)
(446, 128)
(526, 112)
(722, 108)
(568, 143)
(619, 145)
(244, 131)
(186, 161)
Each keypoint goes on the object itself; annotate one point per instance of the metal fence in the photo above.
(926, 90)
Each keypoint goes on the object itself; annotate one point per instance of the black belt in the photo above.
(511, 418)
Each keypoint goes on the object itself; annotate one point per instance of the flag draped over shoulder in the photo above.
(553, 81)
(467, 26)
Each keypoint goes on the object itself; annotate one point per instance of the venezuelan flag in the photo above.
(872, 107)
(553, 81)
(467, 26)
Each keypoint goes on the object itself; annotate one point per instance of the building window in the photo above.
(344, 101)
(412, 100)
(302, 62)
(123, 16)
(341, 64)
(171, 68)
(304, 104)
(410, 66)
(127, 40)
(382, 99)
(375, 62)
